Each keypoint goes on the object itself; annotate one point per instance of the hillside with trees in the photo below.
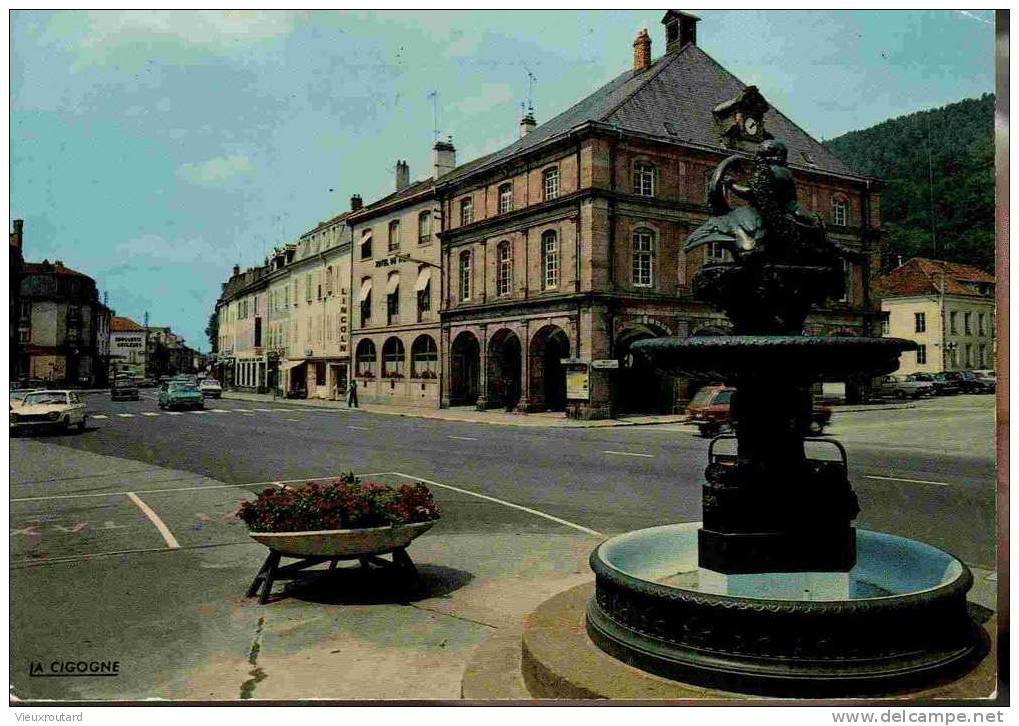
(946, 153)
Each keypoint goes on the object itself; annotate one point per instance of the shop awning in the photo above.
(392, 283)
(288, 364)
(366, 290)
(424, 277)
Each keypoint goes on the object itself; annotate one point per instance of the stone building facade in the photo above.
(566, 247)
(396, 291)
(947, 308)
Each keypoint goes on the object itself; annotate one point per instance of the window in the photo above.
(549, 260)
(951, 322)
(847, 282)
(920, 320)
(504, 273)
(320, 374)
(424, 358)
(365, 359)
(329, 281)
(366, 244)
(980, 323)
(424, 227)
(505, 198)
(643, 179)
(716, 252)
(921, 355)
(393, 298)
(393, 358)
(990, 324)
(466, 210)
(550, 184)
(394, 235)
(953, 359)
(25, 336)
(886, 326)
(969, 355)
(366, 301)
(318, 285)
(307, 289)
(643, 258)
(965, 323)
(838, 211)
(465, 275)
(424, 300)
(981, 355)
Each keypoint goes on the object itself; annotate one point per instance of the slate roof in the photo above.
(53, 268)
(921, 276)
(681, 88)
(408, 191)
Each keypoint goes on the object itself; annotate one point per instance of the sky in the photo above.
(153, 150)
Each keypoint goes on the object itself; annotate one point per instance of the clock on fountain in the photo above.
(740, 120)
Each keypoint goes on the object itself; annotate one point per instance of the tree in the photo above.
(212, 331)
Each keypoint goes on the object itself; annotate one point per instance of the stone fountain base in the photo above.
(897, 621)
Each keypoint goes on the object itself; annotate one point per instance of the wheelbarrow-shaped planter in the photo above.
(332, 545)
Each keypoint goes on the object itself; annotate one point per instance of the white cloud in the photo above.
(492, 94)
(218, 171)
(94, 35)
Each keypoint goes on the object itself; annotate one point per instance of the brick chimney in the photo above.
(402, 175)
(680, 30)
(237, 270)
(527, 123)
(444, 154)
(642, 51)
(356, 203)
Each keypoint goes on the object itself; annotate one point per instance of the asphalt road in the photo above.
(926, 472)
(124, 545)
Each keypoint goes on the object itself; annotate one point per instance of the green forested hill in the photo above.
(960, 138)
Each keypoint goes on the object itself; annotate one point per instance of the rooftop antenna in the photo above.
(530, 91)
(434, 95)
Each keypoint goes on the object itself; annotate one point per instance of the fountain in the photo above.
(776, 592)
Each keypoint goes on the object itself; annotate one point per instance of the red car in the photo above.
(710, 411)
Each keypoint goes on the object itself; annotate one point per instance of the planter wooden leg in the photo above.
(253, 590)
(366, 563)
(270, 574)
(332, 564)
(404, 562)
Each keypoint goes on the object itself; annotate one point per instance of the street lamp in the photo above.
(950, 349)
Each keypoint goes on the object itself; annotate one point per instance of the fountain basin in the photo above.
(806, 357)
(897, 620)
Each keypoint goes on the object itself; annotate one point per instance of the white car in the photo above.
(210, 388)
(59, 409)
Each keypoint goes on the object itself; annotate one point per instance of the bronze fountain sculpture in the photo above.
(776, 592)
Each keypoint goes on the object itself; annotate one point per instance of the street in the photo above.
(124, 545)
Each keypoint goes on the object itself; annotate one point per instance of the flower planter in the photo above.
(342, 543)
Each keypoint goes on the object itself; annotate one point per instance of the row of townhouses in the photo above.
(522, 278)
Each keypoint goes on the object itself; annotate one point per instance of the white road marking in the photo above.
(291, 419)
(174, 413)
(500, 501)
(461, 438)
(200, 410)
(359, 428)
(91, 495)
(168, 537)
(99, 415)
(912, 481)
(629, 453)
(241, 410)
(218, 410)
(115, 553)
(263, 410)
(126, 415)
(148, 413)
(282, 410)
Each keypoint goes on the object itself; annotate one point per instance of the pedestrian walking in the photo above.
(352, 394)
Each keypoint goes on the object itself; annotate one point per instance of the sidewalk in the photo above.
(550, 419)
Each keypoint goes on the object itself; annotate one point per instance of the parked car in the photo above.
(969, 382)
(942, 386)
(710, 411)
(210, 388)
(49, 409)
(899, 386)
(179, 394)
(147, 382)
(18, 395)
(123, 389)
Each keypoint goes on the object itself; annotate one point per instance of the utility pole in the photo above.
(145, 364)
(434, 95)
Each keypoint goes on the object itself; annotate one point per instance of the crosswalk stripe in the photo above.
(99, 415)
(126, 415)
(149, 413)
